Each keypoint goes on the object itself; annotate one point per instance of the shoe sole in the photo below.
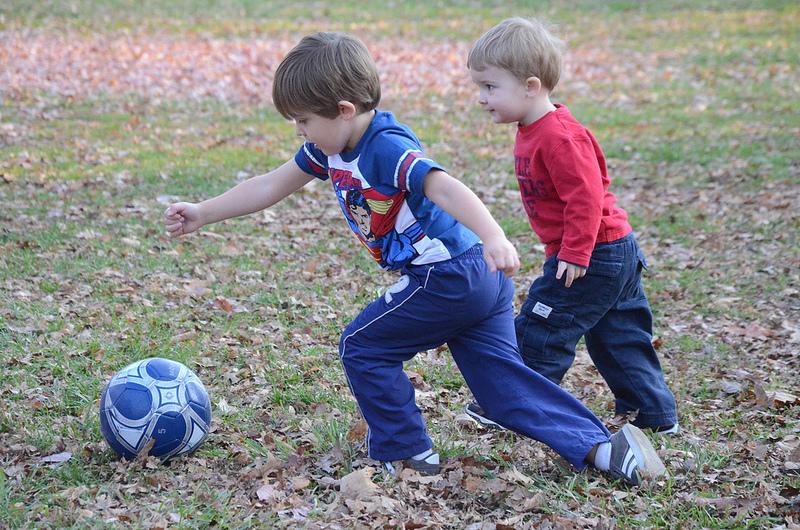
(675, 429)
(483, 421)
(423, 468)
(650, 465)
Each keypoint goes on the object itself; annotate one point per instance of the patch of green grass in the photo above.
(465, 20)
(515, 226)
(9, 514)
(329, 434)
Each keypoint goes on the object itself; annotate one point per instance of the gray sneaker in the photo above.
(666, 429)
(633, 457)
(476, 412)
(428, 464)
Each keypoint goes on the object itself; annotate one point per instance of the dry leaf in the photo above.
(780, 399)
(225, 409)
(762, 400)
(267, 492)
(514, 475)
(358, 484)
(13, 471)
(145, 452)
(730, 387)
(358, 432)
(417, 380)
(720, 503)
(793, 461)
(38, 403)
(299, 483)
(57, 458)
(224, 304)
(197, 287)
(181, 337)
(228, 306)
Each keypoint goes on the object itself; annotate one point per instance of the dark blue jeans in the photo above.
(609, 308)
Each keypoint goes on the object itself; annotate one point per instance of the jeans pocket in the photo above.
(602, 283)
(608, 269)
(539, 325)
(642, 260)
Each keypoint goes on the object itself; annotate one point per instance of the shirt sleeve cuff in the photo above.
(575, 258)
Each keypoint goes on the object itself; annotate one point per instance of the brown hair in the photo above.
(523, 47)
(322, 70)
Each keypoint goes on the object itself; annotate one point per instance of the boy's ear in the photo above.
(533, 86)
(347, 110)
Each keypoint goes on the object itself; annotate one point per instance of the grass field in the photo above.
(110, 110)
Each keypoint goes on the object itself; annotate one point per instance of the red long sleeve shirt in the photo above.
(564, 187)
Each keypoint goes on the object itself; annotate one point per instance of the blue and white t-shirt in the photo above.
(379, 185)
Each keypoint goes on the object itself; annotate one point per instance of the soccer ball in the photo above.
(155, 399)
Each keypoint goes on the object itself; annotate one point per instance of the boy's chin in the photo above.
(502, 120)
(499, 118)
(327, 151)
(332, 150)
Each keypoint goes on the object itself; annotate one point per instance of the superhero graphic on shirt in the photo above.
(375, 223)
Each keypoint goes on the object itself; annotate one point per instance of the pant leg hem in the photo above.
(644, 421)
(583, 464)
(400, 454)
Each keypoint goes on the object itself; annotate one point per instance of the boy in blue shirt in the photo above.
(414, 218)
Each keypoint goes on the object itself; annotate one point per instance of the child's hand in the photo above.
(500, 254)
(182, 218)
(573, 272)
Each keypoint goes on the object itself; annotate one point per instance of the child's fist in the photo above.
(501, 255)
(182, 218)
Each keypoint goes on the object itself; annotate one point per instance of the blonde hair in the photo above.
(524, 47)
(322, 70)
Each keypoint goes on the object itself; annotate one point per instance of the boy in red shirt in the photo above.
(591, 285)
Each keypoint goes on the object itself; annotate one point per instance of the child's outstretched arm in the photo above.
(250, 196)
(459, 201)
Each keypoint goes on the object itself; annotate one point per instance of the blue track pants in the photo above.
(460, 303)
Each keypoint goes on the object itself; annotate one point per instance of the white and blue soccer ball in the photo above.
(155, 399)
